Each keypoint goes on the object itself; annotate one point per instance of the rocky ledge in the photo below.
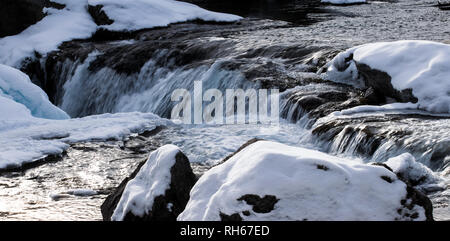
(380, 136)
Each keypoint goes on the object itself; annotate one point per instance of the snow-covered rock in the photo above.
(75, 22)
(157, 190)
(420, 66)
(18, 87)
(132, 15)
(273, 181)
(343, 2)
(417, 174)
(72, 22)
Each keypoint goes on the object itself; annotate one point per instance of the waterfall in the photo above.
(149, 90)
(81, 91)
(427, 143)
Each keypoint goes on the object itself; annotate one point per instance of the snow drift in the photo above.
(16, 86)
(299, 184)
(422, 66)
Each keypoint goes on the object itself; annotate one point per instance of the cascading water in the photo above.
(105, 90)
(86, 86)
(87, 92)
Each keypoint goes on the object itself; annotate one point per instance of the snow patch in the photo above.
(309, 184)
(422, 66)
(152, 181)
(140, 14)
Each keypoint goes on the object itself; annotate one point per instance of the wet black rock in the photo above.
(17, 15)
(445, 6)
(182, 181)
(414, 198)
(319, 100)
(99, 16)
(235, 217)
(26, 166)
(260, 205)
(381, 84)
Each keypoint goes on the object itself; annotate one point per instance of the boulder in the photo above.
(266, 181)
(157, 190)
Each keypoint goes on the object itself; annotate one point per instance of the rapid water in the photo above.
(255, 54)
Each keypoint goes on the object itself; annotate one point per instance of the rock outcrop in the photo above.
(388, 135)
(157, 190)
(271, 181)
(381, 84)
(320, 99)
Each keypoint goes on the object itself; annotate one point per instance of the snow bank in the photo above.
(422, 66)
(129, 15)
(338, 2)
(309, 185)
(31, 127)
(11, 110)
(29, 139)
(152, 181)
(17, 87)
(74, 22)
